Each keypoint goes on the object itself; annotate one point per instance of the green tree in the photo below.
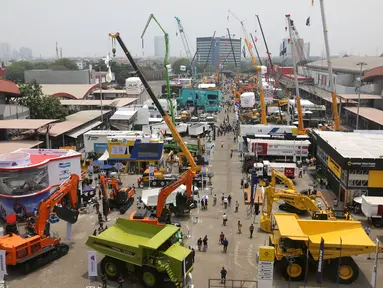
(15, 71)
(65, 62)
(41, 106)
(178, 63)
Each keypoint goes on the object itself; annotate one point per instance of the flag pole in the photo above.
(340, 258)
(307, 261)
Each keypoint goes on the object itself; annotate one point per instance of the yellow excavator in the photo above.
(293, 201)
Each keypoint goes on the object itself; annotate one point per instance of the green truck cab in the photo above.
(149, 252)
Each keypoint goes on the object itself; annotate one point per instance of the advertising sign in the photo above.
(92, 264)
(319, 272)
(100, 148)
(61, 169)
(151, 173)
(265, 266)
(283, 149)
(289, 172)
(334, 167)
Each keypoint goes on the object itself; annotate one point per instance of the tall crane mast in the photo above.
(267, 48)
(207, 59)
(301, 128)
(258, 69)
(185, 42)
(330, 74)
(166, 62)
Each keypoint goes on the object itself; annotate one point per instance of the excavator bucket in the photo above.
(67, 214)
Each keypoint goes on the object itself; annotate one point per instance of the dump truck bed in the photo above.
(133, 233)
(347, 236)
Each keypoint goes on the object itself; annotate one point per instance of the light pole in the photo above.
(360, 86)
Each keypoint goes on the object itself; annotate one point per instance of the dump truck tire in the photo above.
(150, 277)
(377, 222)
(348, 270)
(154, 183)
(295, 272)
(113, 268)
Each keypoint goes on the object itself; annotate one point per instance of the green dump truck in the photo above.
(149, 252)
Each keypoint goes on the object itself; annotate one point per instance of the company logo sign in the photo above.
(64, 165)
(361, 164)
(334, 167)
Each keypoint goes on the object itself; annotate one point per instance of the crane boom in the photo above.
(194, 168)
(258, 84)
(267, 48)
(256, 50)
(184, 39)
(301, 128)
(207, 59)
(166, 62)
(330, 74)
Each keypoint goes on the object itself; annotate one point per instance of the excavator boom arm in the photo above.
(186, 178)
(168, 120)
(278, 175)
(68, 188)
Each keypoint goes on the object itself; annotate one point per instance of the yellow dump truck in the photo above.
(291, 237)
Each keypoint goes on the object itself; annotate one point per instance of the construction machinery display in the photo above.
(120, 198)
(296, 241)
(147, 215)
(294, 202)
(152, 253)
(37, 246)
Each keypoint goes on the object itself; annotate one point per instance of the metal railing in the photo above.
(230, 283)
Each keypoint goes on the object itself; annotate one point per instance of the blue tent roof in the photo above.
(106, 167)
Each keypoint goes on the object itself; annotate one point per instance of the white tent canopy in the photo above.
(104, 156)
(149, 197)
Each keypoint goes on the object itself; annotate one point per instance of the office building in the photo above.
(5, 51)
(220, 51)
(159, 46)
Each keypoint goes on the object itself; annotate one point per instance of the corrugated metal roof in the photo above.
(25, 124)
(118, 102)
(11, 146)
(74, 91)
(362, 96)
(349, 64)
(372, 114)
(86, 128)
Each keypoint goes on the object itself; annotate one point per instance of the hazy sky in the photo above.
(81, 26)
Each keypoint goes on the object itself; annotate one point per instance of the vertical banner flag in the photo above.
(3, 264)
(319, 273)
(151, 172)
(92, 264)
(254, 181)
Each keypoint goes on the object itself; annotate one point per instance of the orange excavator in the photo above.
(120, 198)
(157, 216)
(37, 246)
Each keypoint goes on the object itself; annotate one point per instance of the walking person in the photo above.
(225, 201)
(104, 280)
(199, 244)
(231, 153)
(236, 206)
(223, 275)
(229, 200)
(239, 227)
(223, 197)
(224, 219)
(242, 183)
(120, 282)
(225, 243)
(221, 238)
(204, 243)
(251, 230)
(222, 143)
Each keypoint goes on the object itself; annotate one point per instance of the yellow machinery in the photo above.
(294, 201)
(259, 71)
(294, 238)
(301, 127)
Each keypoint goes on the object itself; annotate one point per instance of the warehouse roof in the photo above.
(353, 144)
(362, 96)
(349, 64)
(118, 102)
(71, 91)
(76, 120)
(372, 114)
(10, 146)
(373, 73)
(324, 94)
(25, 123)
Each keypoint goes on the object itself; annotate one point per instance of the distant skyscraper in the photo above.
(25, 53)
(301, 50)
(5, 51)
(220, 51)
(159, 46)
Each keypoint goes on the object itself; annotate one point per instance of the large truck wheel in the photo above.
(348, 270)
(113, 268)
(162, 183)
(154, 183)
(295, 271)
(150, 277)
(377, 222)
